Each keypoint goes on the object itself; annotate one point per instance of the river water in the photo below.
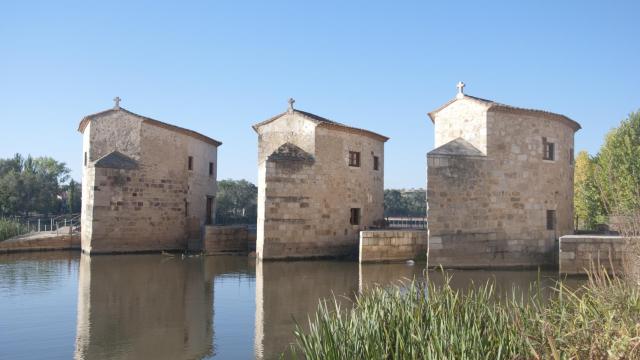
(61, 305)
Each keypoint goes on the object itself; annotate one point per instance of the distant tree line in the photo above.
(402, 202)
(236, 202)
(607, 185)
(30, 186)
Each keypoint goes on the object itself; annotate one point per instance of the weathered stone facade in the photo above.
(146, 185)
(392, 245)
(307, 189)
(490, 190)
(582, 253)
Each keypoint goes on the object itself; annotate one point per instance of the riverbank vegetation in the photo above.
(405, 203)
(599, 320)
(607, 185)
(10, 228)
(37, 185)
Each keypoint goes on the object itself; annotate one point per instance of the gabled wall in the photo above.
(304, 206)
(143, 209)
(490, 211)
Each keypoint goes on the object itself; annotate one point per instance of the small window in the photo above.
(551, 219)
(210, 169)
(549, 149)
(85, 158)
(354, 158)
(190, 162)
(376, 163)
(186, 208)
(571, 158)
(355, 216)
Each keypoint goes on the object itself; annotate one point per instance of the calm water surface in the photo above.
(61, 305)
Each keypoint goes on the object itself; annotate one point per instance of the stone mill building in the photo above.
(499, 183)
(319, 183)
(146, 185)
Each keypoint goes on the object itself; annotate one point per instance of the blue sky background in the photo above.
(219, 66)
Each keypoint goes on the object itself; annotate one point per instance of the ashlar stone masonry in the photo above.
(499, 184)
(319, 184)
(146, 185)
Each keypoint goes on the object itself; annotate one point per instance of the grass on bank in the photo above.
(600, 320)
(10, 228)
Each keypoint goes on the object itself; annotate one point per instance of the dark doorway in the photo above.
(209, 214)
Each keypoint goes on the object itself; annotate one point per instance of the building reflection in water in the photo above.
(291, 290)
(143, 307)
(160, 307)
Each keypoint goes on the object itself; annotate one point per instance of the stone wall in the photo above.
(225, 240)
(43, 243)
(465, 118)
(581, 253)
(304, 201)
(159, 204)
(392, 245)
(490, 209)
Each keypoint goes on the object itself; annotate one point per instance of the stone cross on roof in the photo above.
(116, 100)
(291, 102)
(460, 87)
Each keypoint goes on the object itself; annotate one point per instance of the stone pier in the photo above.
(392, 245)
(581, 253)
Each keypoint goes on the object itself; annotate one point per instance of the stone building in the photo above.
(319, 184)
(146, 185)
(499, 184)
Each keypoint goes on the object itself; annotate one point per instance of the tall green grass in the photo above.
(600, 320)
(10, 228)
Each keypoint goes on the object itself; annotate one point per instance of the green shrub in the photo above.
(10, 228)
(597, 321)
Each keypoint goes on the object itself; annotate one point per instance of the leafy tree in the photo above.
(405, 202)
(236, 202)
(31, 185)
(617, 172)
(587, 204)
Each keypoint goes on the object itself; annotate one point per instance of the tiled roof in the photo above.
(116, 160)
(495, 105)
(324, 122)
(290, 152)
(458, 146)
(85, 121)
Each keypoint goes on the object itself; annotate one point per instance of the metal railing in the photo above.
(406, 222)
(60, 224)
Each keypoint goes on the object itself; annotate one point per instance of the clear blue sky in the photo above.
(219, 66)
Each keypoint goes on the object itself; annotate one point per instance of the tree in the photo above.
(587, 205)
(617, 167)
(236, 202)
(31, 185)
(405, 202)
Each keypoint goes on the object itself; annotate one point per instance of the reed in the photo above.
(600, 320)
(10, 228)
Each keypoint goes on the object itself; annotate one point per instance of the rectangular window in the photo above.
(551, 219)
(186, 208)
(549, 149)
(354, 158)
(190, 162)
(85, 158)
(376, 163)
(355, 216)
(571, 158)
(210, 169)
